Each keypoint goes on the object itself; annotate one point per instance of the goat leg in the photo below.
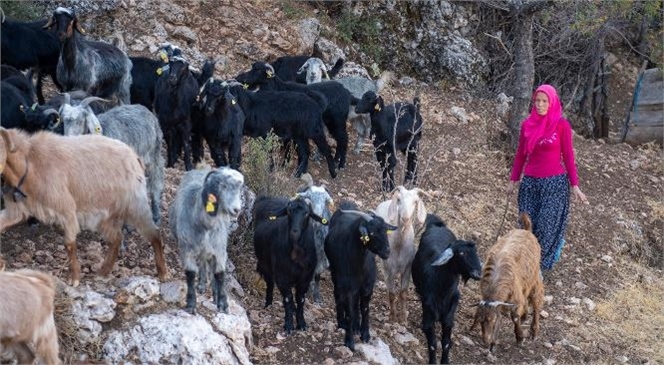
(114, 239)
(160, 261)
(289, 308)
(74, 265)
(315, 289)
(446, 343)
(23, 353)
(351, 309)
(191, 292)
(518, 331)
(300, 293)
(392, 298)
(364, 312)
(428, 327)
(403, 313)
(220, 298)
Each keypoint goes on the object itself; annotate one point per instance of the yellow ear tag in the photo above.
(33, 107)
(364, 239)
(270, 74)
(209, 207)
(160, 71)
(389, 231)
(245, 86)
(164, 56)
(233, 101)
(97, 130)
(198, 98)
(21, 107)
(272, 217)
(323, 221)
(377, 107)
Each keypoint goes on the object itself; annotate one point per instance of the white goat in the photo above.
(26, 316)
(405, 210)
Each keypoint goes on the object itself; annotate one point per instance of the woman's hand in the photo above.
(511, 186)
(578, 195)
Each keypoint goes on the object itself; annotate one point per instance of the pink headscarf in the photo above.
(538, 127)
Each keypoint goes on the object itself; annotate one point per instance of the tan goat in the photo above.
(83, 182)
(26, 316)
(511, 283)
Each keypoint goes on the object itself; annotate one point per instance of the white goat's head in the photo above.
(405, 205)
(316, 70)
(222, 192)
(80, 119)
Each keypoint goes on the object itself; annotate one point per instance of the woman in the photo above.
(546, 157)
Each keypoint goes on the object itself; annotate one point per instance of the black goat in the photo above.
(27, 45)
(396, 127)
(286, 252)
(17, 95)
(144, 75)
(439, 262)
(292, 116)
(222, 127)
(353, 240)
(338, 101)
(175, 96)
(98, 68)
(287, 67)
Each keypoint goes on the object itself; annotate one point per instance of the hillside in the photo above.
(603, 297)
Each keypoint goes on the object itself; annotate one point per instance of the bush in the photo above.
(22, 10)
(264, 168)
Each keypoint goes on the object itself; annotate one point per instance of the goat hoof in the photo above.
(365, 337)
(350, 344)
(74, 283)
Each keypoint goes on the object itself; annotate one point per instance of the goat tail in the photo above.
(336, 68)
(525, 221)
(385, 79)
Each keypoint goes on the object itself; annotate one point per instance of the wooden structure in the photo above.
(645, 119)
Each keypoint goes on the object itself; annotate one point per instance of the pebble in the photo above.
(622, 359)
(548, 299)
(607, 258)
(544, 314)
(575, 300)
(589, 303)
(581, 285)
(467, 341)
(548, 345)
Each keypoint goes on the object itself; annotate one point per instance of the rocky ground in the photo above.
(602, 299)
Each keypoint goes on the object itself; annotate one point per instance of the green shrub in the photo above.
(362, 30)
(22, 10)
(264, 169)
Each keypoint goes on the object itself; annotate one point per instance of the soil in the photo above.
(614, 244)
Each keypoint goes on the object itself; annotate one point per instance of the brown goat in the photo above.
(510, 283)
(83, 182)
(26, 316)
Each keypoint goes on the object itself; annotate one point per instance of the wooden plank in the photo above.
(647, 117)
(639, 135)
(652, 88)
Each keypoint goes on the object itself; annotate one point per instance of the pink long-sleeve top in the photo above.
(552, 156)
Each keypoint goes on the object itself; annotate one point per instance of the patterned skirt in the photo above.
(546, 200)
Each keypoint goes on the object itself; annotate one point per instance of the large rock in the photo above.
(176, 337)
(89, 310)
(308, 30)
(376, 351)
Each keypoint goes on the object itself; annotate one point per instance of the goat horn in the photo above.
(91, 99)
(367, 217)
(420, 191)
(50, 111)
(67, 99)
(2, 15)
(270, 68)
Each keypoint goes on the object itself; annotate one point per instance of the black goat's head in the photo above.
(65, 22)
(213, 93)
(40, 117)
(370, 103)
(373, 233)
(463, 256)
(259, 74)
(298, 211)
(178, 68)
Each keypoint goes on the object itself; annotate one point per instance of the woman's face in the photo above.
(541, 103)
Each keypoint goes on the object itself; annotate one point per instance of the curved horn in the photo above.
(270, 68)
(67, 99)
(420, 191)
(50, 111)
(367, 217)
(2, 15)
(85, 102)
(305, 65)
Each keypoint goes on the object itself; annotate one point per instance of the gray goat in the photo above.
(200, 218)
(321, 204)
(134, 125)
(98, 68)
(357, 86)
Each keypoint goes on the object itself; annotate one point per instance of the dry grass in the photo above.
(635, 315)
(70, 348)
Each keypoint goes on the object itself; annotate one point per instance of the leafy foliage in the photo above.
(265, 170)
(22, 10)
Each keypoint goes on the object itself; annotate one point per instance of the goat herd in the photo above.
(107, 171)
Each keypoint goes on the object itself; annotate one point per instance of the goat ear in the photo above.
(421, 211)
(279, 213)
(11, 147)
(393, 208)
(364, 234)
(444, 257)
